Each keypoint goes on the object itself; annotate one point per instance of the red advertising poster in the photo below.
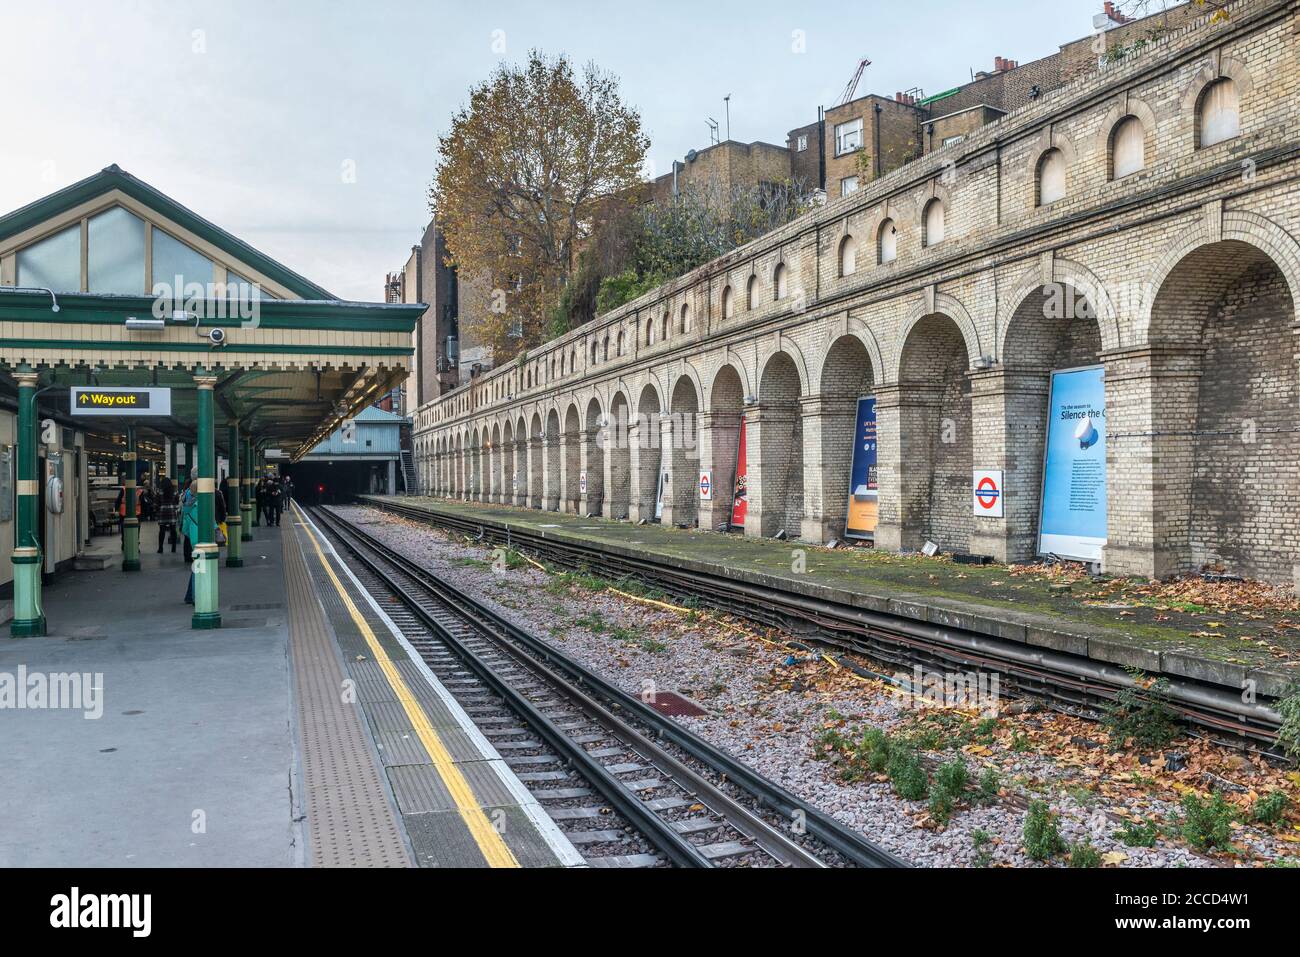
(740, 498)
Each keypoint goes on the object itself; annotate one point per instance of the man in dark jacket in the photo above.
(272, 501)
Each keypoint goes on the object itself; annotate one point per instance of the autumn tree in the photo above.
(528, 168)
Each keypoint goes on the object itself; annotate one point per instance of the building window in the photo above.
(848, 136)
(728, 303)
(176, 263)
(1051, 177)
(620, 342)
(801, 143)
(663, 327)
(779, 290)
(1218, 113)
(649, 331)
(848, 256)
(888, 242)
(934, 222)
(53, 263)
(750, 288)
(684, 320)
(115, 253)
(1127, 148)
(848, 184)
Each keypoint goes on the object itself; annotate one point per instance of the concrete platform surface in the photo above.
(1120, 622)
(189, 760)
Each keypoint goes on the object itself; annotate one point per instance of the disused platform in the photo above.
(303, 732)
(1215, 639)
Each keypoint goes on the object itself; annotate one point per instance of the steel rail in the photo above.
(734, 814)
(1198, 703)
(820, 825)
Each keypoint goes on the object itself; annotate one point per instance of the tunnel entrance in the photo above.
(333, 483)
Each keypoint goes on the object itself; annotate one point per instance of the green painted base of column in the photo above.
(234, 562)
(28, 620)
(207, 613)
(130, 564)
(29, 628)
(131, 548)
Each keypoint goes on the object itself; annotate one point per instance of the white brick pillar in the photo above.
(551, 459)
(907, 419)
(1009, 419)
(592, 463)
(719, 433)
(644, 440)
(829, 423)
(769, 436)
(1151, 413)
(535, 468)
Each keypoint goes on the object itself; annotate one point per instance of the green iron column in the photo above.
(190, 461)
(256, 453)
(207, 612)
(130, 523)
(234, 517)
(246, 503)
(29, 618)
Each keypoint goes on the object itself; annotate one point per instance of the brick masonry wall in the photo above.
(1117, 242)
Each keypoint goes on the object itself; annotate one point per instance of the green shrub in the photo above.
(1041, 833)
(990, 784)
(1288, 734)
(1142, 714)
(983, 853)
(1207, 824)
(1084, 854)
(941, 801)
(875, 749)
(952, 777)
(1138, 833)
(1270, 808)
(907, 775)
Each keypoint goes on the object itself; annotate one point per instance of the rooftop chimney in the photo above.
(1115, 15)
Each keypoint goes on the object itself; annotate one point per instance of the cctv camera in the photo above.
(217, 336)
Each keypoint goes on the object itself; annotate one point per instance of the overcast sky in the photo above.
(250, 112)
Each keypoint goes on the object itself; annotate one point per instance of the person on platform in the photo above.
(219, 509)
(190, 528)
(286, 495)
(168, 510)
(272, 501)
(259, 497)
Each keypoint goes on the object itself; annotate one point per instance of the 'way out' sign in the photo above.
(113, 400)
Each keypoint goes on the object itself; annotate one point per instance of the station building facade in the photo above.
(1142, 220)
(110, 287)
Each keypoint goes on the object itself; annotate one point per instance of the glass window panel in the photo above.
(115, 253)
(54, 262)
(848, 256)
(247, 289)
(779, 290)
(172, 259)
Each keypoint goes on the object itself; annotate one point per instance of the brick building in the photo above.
(729, 164)
(1141, 220)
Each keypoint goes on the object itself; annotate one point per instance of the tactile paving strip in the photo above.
(350, 820)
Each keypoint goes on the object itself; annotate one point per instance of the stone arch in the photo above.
(682, 493)
(1226, 67)
(776, 472)
(551, 456)
(618, 453)
(495, 473)
(509, 467)
(953, 309)
(535, 466)
(1065, 272)
(847, 374)
(476, 465)
(646, 451)
(571, 459)
(521, 461)
(725, 405)
(1221, 382)
(929, 481)
(593, 458)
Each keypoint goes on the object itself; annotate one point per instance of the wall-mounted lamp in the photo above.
(155, 325)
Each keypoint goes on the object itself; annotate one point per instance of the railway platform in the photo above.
(299, 733)
(1025, 608)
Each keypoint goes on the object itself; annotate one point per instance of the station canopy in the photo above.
(110, 283)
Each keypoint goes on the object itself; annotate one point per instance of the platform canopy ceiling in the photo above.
(111, 283)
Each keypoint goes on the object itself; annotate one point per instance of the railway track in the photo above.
(629, 786)
(1072, 683)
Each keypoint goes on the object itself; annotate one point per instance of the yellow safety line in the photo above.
(493, 848)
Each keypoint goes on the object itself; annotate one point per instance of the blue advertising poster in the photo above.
(864, 494)
(1072, 520)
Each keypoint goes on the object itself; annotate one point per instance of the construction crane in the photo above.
(853, 83)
